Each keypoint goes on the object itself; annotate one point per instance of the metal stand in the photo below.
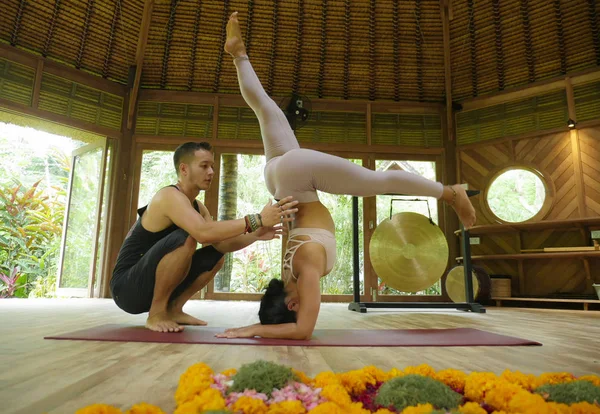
(361, 307)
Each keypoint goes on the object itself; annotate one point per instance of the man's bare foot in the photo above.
(162, 322)
(184, 319)
(234, 45)
(462, 205)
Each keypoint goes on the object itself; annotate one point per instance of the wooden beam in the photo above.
(576, 151)
(447, 69)
(37, 85)
(139, 60)
(58, 69)
(60, 119)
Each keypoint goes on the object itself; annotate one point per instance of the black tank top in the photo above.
(139, 240)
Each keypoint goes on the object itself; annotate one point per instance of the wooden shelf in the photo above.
(575, 224)
(584, 302)
(530, 256)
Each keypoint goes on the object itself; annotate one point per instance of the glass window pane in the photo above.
(516, 195)
(426, 206)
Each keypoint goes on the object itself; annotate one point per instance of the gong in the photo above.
(409, 252)
(455, 284)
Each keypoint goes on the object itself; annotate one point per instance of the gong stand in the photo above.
(468, 305)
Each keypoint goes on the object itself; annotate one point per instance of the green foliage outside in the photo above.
(516, 195)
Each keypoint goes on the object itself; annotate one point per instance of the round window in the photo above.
(516, 195)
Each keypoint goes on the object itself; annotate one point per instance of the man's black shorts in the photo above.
(133, 289)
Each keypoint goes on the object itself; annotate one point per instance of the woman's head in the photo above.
(275, 306)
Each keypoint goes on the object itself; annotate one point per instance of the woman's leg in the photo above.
(278, 138)
(336, 175)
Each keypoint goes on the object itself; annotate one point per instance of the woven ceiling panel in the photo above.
(16, 82)
(587, 101)
(172, 119)
(407, 130)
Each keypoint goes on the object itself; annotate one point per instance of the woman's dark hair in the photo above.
(273, 309)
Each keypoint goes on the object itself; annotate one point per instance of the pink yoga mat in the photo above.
(321, 337)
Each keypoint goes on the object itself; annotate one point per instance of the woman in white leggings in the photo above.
(290, 306)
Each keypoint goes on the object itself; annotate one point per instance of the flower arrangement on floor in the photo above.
(268, 388)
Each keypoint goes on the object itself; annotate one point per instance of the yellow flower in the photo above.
(287, 407)
(229, 372)
(328, 408)
(99, 409)
(477, 384)
(471, 408)
(189, 389)
(554, 378)
(585, 408)
(527, 381)
(500, 395)
(393, 373)
(210, 399)
(422, 369)
(419, 409)
(525, 402)
(249, 405)
(357, 408)
(592, 378)
(384, 411)
(356, 382)
(302, 376)
(325, 378)
(144, 408)
(453, 378)
(337, 394)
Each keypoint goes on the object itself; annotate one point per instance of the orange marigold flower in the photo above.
(287, 407)
(229, 372)
(501, 394)
(556, 408)
(328, 408)
(337, 394)
(210, 399)
(594, 379)
(384, 411)
(187, 390)
(144, 408)
(525, 402)
(471, 408)
(99, 409)
(422, 369)
(303, 377)
(419, 409)
(453, 378)
(585, 408)
(249, 405)
(527, 381)
(554, 378)
(325, 378)
(356, 382)
(478, 384)
(357, 408)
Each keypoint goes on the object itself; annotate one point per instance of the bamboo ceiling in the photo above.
(342, 49)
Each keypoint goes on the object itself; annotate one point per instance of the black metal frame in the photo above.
(468, 305)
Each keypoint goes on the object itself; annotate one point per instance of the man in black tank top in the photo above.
(159, 267)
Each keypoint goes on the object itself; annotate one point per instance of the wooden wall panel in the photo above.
(589, 144)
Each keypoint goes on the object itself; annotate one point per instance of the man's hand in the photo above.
(269, 233)
(243, 332)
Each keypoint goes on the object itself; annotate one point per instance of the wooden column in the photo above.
(575, 150)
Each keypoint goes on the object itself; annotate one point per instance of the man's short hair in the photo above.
(186, 151)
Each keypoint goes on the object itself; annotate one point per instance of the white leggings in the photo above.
(292, 171)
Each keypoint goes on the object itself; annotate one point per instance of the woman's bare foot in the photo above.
(184, 319)
(234, 45)
(462, 205)
(162, 322)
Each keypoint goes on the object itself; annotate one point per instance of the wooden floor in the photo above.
(46, 376)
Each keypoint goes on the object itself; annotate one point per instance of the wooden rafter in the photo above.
(139, 59)
(593, 15)
(249, 23)
(86, 25)
(528, 40)
(346, 48)
(273, 54)
(110, 47)
(472, 47)
(558, 20)
(498, 44)
(419, 47)
(194, 47)
(396, 43)
(298, 56)
(165, 61)
(372, 69)
(50, 32)
(17, 25)
(217, 80)
(323, 50)
(447, 68)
